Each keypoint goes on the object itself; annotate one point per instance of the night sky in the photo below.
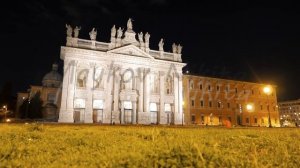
(244, 40)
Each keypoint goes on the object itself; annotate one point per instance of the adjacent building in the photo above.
(122, 81)
(214, 101)
(50, 95)
(289, 112)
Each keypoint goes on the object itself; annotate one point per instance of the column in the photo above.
(146, 91)
(134, 112)
(180, 96)
(116, 82)
(176, 98)
(141, 90)
(161, 112)
(89, 101)
(68, 89)
(108, 86)
(122, 112)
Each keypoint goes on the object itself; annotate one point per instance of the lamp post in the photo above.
(5, 108)
(268, 90)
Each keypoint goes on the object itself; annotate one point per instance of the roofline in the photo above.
(232, 80)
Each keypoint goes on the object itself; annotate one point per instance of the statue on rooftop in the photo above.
(141, 37)
(120, 32)
(76, 31)
(129, 24)
(93, 34)
(174, 48)
(179, 49)
(147, 37)
(161, 44)
(113, 31)
(69, 30)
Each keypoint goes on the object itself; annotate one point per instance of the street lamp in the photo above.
(5, 108)
(268, 90)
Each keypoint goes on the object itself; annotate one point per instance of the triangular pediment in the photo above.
(131, 50)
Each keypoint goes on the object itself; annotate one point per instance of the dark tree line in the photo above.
(32, 109)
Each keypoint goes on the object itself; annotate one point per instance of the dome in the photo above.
(53, 78)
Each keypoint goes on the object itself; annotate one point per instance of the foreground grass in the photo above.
(36, 145)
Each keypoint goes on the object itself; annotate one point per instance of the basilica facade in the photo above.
(122, 81)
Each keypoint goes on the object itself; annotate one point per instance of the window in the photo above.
(210, 104)
(247, 120)
(209, 88)
(153, 107)
(261, 107)
(193, 119)
(51, 98)
(252, 91)
(218, 88)
(220, 120)
(236, 90)
(202, 119)
(128, 105)
(193, 103)
(191, 84)
(201, 103)
(167, 107)
(219, 104)
(262, 121)
(79, 103)
(98, 104)
(228, 105)
(200, 86)
(229, 119)
(255, 120)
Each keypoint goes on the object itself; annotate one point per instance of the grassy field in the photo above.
(38, 145)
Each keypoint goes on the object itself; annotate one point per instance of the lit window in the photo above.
(167, 107)
(79, 103)
(127, 105)
(98, 104)
(153, 107)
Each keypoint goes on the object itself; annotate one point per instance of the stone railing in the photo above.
(101, 46)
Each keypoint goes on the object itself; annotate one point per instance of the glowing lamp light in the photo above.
(8, 120)
(267, 90)
(250, 107)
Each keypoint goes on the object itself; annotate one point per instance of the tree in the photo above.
(32, 109)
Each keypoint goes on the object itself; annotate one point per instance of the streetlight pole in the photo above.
(5, 108)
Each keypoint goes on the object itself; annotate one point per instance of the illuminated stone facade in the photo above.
(213, 101)
(122, 81)
(289, 112)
